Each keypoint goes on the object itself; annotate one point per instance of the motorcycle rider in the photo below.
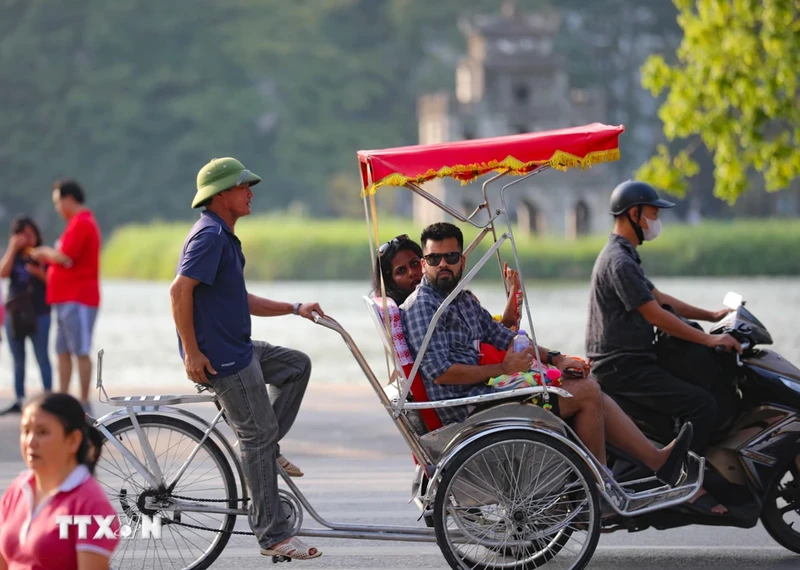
(624, 308)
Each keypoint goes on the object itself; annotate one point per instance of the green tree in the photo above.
(734, 89)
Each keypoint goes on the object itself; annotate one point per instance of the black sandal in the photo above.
(703, 506)
(672, 473)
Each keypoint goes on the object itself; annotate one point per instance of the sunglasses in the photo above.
(434, 259)
(392, 243)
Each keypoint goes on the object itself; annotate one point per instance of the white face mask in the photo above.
(652, 230)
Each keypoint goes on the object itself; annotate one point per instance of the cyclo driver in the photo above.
(624, 308)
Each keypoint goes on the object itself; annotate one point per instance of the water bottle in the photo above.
(521, 341)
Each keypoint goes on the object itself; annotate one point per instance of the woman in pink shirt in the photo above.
(56, 516)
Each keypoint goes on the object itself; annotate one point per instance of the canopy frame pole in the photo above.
(372, 249)
(476, 241)
(442, 206)
(485, 204)
(513, 240)
(485, 189)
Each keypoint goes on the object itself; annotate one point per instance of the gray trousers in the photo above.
(261, 403)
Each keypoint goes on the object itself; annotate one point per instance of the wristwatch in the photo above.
(296, 308)
(552, 355)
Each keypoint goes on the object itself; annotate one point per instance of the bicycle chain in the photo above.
(196, 527)
(235, 500)
(221, 531)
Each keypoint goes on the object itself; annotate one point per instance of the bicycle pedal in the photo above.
(278, 558)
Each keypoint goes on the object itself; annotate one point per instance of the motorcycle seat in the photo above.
(652, 422)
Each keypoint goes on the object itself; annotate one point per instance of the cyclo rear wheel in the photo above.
(517, 500)
(183, 545)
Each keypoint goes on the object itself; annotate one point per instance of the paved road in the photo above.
(358, 470)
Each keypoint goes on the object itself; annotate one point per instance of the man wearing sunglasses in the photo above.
(450, 366)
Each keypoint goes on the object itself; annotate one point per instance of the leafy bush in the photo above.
(287, 248)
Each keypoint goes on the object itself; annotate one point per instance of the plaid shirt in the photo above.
(456, 340)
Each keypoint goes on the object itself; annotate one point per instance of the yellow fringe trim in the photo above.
(468, 172)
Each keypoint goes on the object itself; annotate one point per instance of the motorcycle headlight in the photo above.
(793, 384)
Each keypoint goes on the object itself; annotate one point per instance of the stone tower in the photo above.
(512, 80)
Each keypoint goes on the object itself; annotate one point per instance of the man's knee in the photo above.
(705, 408)
(586, 391)
(299, 365)
(588, 387)
(304, 362)
(702, 415)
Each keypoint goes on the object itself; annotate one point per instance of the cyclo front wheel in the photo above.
(517, 500)
(189, 539)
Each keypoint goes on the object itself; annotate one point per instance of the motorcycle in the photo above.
(753, 466)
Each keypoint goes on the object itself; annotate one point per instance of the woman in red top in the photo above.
(35, 530)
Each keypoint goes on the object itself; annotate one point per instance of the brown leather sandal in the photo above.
(291, 469)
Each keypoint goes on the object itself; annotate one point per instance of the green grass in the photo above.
(281, 247)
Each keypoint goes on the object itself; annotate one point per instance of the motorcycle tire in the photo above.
(771, 516)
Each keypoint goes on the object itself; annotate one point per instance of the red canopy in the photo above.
(466, 160)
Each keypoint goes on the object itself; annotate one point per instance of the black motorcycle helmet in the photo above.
(635, 193)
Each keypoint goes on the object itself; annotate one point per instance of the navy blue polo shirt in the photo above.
(212, 254)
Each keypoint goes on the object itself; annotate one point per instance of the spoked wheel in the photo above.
(517, 500)
(208, 479)
(781, 512)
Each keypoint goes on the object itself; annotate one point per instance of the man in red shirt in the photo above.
(73, 283)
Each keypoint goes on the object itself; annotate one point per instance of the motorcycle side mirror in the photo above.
(733, 300)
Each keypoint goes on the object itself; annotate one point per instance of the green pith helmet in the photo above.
(219, 175)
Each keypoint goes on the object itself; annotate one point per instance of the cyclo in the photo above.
(510, 487)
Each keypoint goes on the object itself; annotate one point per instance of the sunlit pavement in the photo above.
(358, 470)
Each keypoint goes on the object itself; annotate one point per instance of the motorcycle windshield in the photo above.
(759, 334)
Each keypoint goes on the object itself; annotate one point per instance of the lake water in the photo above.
(135, 325)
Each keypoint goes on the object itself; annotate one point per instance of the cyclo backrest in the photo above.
(402, 359)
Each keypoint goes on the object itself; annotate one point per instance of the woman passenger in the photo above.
(60, 449)
(400, 264)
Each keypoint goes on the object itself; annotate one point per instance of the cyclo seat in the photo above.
(395, 344)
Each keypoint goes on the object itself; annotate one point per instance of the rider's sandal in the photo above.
(291, 469)
(702, 506)
(673, 473)
(293, 548)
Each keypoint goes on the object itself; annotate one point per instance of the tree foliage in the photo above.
(132, 98)
(733, 89)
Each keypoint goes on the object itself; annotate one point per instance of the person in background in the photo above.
(57, 446)
(73, 284)
(28, 314)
